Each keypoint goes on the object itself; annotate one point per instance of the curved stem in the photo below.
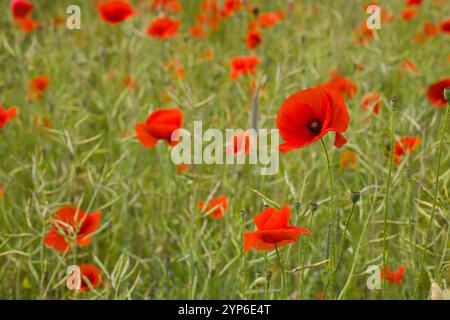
(282, 272)
(343, 238)
(386, 199)
(332, 218)
(433, 210)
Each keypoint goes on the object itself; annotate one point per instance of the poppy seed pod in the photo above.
(314, 207)
(394, 100)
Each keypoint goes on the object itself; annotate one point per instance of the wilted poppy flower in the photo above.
(92, 274)
(269, 19)
(215, 207)
(37, 86)
(435, 92)
(272, 229)
(254, 39)
(309, 114)
(445, 26)
(408, 14)
(72, 222)
(115, 11)
(343, 85)
(6, 115)
(395, 277)
(371, 100)
(243, 65)
(348, 159)
(163, 28)
(159, 126)
(21, 8)
(405, 146)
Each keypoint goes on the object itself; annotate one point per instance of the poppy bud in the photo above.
(447, 94)
(265, 206)
(355, 196)
(296, 206)
(255, 10)
(314, 207)
(242, 213)
(260, 282)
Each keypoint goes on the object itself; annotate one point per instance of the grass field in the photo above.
(74, 144)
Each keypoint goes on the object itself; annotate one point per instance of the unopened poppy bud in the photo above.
(296, 206)
(314, 207)
(408, 173)
(260, 282)
(265, 207)
(242, 213)
(394, 100)
(355, 196)
(447, 94)
(255, 10)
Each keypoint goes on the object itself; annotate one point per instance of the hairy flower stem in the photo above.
(332, 228)
(388, 186)
(284, 295)
(433, 210)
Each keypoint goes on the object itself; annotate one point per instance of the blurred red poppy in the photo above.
(243, 65)
(348, 159)
(363, 34)
(215, 207)
(254, 39)
(272, 229)
(182, 168)
(37, 86)
(27, 24)
(269, 19)
(6, 115)
(343, 85)
(404, 146)
(92, 274)
(413, 2)
(408, 14)
(72, 222)
(21, 8)
(115, 11)
(163, 28)
(159, 126)
(395, 277)
(309, 114)
(166, 5)
(371, 100)
(435, 92)
(445, 26)
(230, 7)
(430, 29)
(408, 65)
(197, 31)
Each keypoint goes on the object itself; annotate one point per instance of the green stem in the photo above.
(283, 279)
(343, 237)
(332, 227)
(433, 210)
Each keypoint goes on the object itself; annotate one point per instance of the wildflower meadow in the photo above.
(224, 149)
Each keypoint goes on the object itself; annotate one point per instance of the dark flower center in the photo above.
(315, 126)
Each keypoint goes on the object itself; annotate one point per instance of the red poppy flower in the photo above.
(404, 146)
(37, 86)
(413, 2)
(395, 277)
(72, 222)
(166, 5)
(92, 274)
(115, 11)
(371, 100)
(408, 65)
(309, 114)
(159, 126)
(445, 26)
(21, 8)
(408, 14)
(269, 19)
(348, 159)
(435, 92)
(163, 28)
(241, 143)
(272, 229)
(254, 39)
(430, 29)
(243, 65)
(6, 115)
(343, 85)
(230, 7)
(182, 168)
(215, 207)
